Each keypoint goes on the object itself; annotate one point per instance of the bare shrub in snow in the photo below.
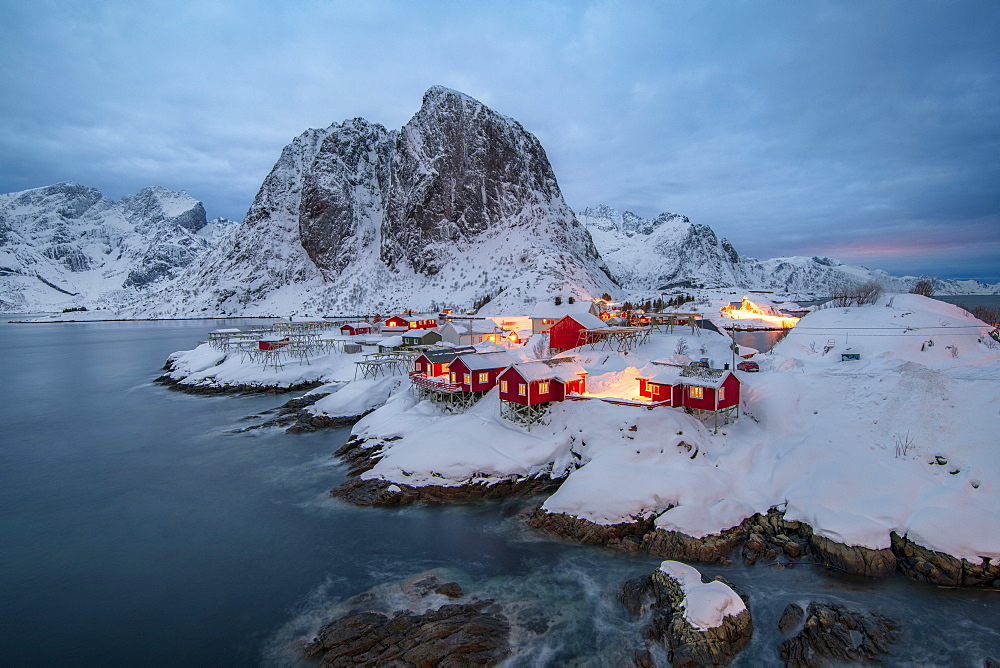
(923, 287)
(988, 314)
(858, 295)
(682, 346)
(541, 349)
(904, 444)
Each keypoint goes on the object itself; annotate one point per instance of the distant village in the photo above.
(453, 360)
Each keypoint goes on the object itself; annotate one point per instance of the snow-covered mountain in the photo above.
(458, 206)
(669, 251)
(665, 252)
(68, 245)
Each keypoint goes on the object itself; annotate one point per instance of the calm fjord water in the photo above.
(137, 530)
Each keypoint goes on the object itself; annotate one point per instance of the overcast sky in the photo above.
(865, 131)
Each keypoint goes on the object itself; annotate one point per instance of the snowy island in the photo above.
(866, 441)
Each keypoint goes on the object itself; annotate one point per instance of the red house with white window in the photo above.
(479, 372)
(399, 324)
(432, 363)
(541, 382)
(697, 388)
(356, 328)
(568, 331)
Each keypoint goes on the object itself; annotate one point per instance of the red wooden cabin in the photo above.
(532, 383)
(433, 363)
(356, 328)
(690, 387)
(479, 372)
(567, 332)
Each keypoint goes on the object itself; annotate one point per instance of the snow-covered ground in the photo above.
(903, 439)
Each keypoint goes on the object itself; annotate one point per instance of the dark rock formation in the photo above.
(834, 633)
(470, 634)
(773, 539)
(239, 388)
(942, 569)
(686, 645)
(376, 492)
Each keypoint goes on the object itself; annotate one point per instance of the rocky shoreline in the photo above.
(768, 538)
(375, 492)
(237, 389)
(776, 540)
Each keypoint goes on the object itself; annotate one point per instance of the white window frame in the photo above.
(484, 376)
(696, 392)
(503, 386)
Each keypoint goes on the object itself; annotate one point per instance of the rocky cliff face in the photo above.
(67, 244)
(458, 206)
(665, 252)
(670, 252)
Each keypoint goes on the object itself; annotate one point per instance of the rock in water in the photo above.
(471, 634)
(834, 633)
(700, 623)
(459, 205)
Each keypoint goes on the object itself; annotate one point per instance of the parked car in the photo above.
(748, 366)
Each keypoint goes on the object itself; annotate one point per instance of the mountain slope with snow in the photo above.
(460, 205)
(68, 245)
(669, 251)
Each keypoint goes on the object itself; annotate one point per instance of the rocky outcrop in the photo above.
(665, 597)
(474, 633)
(832, 633)
(361, 455)
(853, 558)
(772, 539)
(939, 568)
(235, 388)
(376, 492)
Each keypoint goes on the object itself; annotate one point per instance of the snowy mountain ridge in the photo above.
(459, 206)
(67, 244)
(669, 252)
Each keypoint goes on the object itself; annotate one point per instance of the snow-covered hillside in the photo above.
(669, 251)
(67, 245)
(459, 206)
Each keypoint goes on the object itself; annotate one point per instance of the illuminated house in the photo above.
(528, 388)
(691, 387)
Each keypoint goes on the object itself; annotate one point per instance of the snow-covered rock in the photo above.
(67, 245)
(459, 206)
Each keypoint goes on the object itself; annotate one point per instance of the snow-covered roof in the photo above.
(663, 374)
(419, 333)
(414, 317)
(391, 341)
(674, 374)
(357, 325)
(699, 376)
(588, 320)
(560, 368)
(481, 361)
(446, 355)
(549, 310)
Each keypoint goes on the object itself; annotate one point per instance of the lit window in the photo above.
(467, 378)
(444, 367)
(722, 393)
(503, 385)
(452, 377)
(484, 377)
(522, 389)
(543, 387)
(696, 393)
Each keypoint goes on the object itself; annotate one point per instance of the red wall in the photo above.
(459, 367)
(565, 334)
(556, 390)
(396, 321)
